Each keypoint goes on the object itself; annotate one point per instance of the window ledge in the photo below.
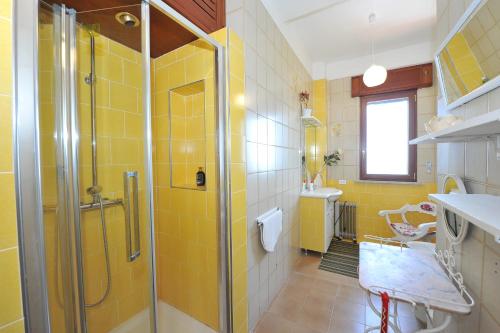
(388, 182)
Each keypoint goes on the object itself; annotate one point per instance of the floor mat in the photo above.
(342, 258)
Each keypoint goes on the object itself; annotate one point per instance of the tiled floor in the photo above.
(316, 301)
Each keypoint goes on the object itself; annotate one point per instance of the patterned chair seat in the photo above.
(405, 229)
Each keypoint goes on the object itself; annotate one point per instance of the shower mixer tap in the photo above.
(94, 190)
(89, 79)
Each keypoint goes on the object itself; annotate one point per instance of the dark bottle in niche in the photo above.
(200, 177)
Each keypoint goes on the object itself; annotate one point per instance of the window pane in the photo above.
(387, 137)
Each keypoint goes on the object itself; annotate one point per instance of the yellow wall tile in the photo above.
(370, 198)
(6, 130)
(6, 47)
(15, 327)
(8, 225)
(10, 288)
(11, 314)
(123, 97)
(316, 138)
(186, 224)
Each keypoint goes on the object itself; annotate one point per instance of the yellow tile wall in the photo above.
(312, 226)
(186, 219)
(316, 137)
(370, 198)
(464, 63)
(188, 134)
(120, 142)
(11, 313)
(236, 132)
(238, 180)
(120, 148)
(49, 177)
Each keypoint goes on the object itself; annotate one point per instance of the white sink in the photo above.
(323, 193)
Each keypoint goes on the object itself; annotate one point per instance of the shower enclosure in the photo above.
(90, 99)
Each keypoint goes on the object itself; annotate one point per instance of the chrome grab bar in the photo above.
(131, 205)
(89, 206)
(105, 203)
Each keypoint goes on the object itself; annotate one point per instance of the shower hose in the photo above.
(106, 254)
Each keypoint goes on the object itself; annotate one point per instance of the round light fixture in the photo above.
(374, 76)
(127, 19)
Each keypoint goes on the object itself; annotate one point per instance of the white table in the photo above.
(411, 276)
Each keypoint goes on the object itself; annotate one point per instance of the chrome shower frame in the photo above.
(222, 161)
(28, 170)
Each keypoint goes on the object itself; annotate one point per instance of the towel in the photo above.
(271, 224)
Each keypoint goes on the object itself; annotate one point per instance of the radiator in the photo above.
(346, 220)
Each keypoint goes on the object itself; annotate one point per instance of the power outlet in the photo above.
(498, 147)
(428, 167)
(342, 181)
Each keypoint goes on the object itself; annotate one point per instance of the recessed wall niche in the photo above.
(187, 135)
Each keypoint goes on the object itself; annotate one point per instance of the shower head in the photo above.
(127, 19)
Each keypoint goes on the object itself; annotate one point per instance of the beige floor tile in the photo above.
(297, 280)
(349, 311)
(307, 265)
(352, 294)
(272, 323)
(314, 317)
(286, 306)
(326, 286)
(346, 326)
(317, 301)
(321, 298)
(294, 291)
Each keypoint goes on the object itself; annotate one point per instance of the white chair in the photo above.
(405, 231)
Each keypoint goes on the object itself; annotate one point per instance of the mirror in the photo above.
(187, 136)
(455, 226)
(311, 151)
(469, 61)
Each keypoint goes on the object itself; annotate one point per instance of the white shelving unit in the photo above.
(486, 125)
(482, 210)
(311, 121)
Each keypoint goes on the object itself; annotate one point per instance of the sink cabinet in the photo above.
(316, 223)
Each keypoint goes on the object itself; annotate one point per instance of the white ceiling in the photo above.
(329, 31)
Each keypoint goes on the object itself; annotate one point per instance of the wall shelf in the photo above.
(482, 210)
(311, 121)
(486, 125)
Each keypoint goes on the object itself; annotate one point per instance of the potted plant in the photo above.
(304, 101)
(328, 160)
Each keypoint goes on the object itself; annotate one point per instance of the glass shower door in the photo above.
(95, 171)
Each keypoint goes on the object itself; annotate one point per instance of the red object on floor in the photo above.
(385, 312)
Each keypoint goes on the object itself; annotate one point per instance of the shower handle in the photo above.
(131, 205)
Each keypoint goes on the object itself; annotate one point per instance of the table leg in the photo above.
(440, 328)
(393, 318)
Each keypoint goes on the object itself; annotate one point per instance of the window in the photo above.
(388, 122)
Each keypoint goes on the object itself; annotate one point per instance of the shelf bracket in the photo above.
(498, 148)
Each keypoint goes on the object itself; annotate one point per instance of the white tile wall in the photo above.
(479, 255)
(273, 78)
(343, 114)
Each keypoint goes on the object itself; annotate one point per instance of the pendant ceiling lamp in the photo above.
(375, 75)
